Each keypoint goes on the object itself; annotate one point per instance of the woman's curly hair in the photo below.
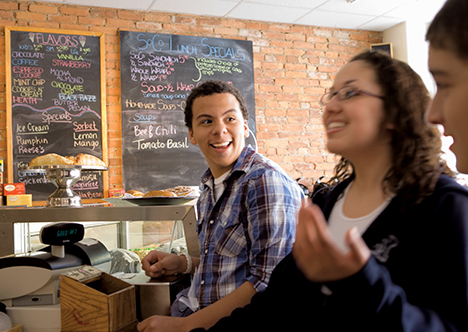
(416, 146)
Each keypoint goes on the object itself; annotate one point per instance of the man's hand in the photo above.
(316, 253)
(158, 263)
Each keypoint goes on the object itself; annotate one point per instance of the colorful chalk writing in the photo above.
(158, 72)
(56, 104)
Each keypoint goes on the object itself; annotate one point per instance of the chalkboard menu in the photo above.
(55, 104)
(158, 71)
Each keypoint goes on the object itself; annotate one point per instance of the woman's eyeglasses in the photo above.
(345, 93)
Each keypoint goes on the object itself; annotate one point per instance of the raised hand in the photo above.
(317, 254)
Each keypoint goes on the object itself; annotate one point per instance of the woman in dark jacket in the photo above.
(387, 248)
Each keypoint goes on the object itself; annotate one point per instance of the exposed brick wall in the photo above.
(293, 67)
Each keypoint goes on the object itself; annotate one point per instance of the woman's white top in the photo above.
(339, 224)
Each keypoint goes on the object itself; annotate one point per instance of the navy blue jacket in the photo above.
(416, 279)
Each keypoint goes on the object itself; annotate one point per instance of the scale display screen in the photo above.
(61, 233)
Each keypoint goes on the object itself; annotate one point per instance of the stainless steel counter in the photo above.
(93, 213)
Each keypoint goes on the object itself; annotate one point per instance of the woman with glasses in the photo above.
(387, 248)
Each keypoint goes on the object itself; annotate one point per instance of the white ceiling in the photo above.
(375, 15)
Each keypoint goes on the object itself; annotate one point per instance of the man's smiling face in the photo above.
(219, 129)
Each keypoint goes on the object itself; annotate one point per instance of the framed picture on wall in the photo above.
(383, 47)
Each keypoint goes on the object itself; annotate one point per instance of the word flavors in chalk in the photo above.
(55, 39)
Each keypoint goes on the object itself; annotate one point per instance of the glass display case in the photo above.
(132, 227)
(32, 270)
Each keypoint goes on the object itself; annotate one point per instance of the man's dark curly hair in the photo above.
(449, 28)
(207, 89)
(416, 146)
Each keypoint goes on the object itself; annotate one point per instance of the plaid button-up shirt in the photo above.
(249, 230)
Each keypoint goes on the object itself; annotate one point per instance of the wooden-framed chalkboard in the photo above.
(158, 71)
(55, 104)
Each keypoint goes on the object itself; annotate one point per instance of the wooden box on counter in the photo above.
(99, 304)
(15, 328)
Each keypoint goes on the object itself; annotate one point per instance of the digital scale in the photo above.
(30, 282)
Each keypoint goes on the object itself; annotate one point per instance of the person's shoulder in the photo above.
(258, 171)
(449, 200)
(262, 162)
(447, 193)
(447, 184)
(256, 164)
(329, 193)
(262, 167)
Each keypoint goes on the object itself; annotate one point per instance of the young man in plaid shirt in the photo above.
(247, 214)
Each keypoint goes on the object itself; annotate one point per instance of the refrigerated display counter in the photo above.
(127, 221)
(130, 228)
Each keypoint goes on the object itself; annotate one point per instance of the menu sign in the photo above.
(158, 71)
(55, 104)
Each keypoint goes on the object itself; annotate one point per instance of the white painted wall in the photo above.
(410, 46)
(397, 36)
